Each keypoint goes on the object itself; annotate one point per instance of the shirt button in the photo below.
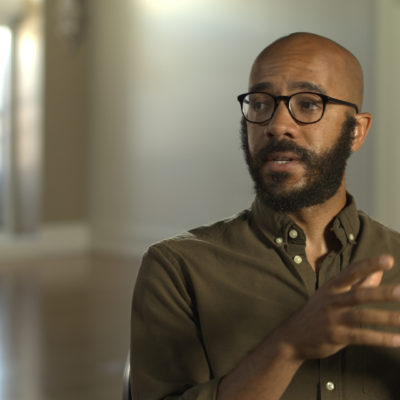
(278, 240)
(297, 259)
(351, 237)
(330, 386)
(293, 233)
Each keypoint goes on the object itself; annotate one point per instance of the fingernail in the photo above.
(396, 341)
(383, 261)
(396, 292)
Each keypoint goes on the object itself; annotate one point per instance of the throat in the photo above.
(315, 259)
(317, 251)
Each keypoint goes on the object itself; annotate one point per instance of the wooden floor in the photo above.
(64, 327)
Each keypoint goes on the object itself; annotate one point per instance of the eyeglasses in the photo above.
(304, 107)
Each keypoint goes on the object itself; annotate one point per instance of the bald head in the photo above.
(307, 50)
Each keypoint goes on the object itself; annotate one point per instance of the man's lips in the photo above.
(282, 162)
(283, 157)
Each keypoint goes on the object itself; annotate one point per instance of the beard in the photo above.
(323, 171)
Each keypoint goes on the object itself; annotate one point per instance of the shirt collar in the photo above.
(276, 225)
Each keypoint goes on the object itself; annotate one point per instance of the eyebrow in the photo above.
(261, 86)
(305, 85)
(308, 86)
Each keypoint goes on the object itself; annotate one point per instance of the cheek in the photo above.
(319, 144)
(255, 138)
(329, 130)
(321, 138)
(315, 137)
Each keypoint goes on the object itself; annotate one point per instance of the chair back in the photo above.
(126, 384)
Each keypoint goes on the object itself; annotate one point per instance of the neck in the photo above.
(315, 221)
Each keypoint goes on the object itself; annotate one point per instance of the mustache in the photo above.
(281, 145)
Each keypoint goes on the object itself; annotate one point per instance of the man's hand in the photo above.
(331, 319)
(328, 322)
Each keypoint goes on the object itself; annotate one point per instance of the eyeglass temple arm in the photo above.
(345, 103)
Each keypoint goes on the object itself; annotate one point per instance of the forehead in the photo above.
(289, 68)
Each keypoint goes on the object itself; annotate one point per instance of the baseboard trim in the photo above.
(50, 240)
(77, 238)
(128, 241)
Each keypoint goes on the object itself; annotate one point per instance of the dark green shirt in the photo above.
(204, 299)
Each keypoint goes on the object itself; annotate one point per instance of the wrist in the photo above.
(285, 348)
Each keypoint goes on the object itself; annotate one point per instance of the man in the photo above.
(298, 297)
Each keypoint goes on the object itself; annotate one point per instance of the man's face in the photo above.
(323, 171)
(297, 165)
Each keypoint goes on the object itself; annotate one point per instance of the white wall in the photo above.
(163, 80)
(386, 160)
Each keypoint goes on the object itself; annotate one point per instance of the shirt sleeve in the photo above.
(168, 358)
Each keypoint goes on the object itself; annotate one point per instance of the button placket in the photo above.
(297, 257)
(330, 375)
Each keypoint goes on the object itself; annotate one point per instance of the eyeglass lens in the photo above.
(304, 107)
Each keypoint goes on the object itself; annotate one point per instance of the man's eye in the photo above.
(309, 105)
(258, 106)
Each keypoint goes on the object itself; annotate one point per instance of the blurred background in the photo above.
(119, 126)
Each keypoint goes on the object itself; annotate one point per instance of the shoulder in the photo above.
(193, 253)
(377, 238)
(217, 233)
(374, 228)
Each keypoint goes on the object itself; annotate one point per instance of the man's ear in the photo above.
(363, 123)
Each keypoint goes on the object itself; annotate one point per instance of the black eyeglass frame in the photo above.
(286, 100)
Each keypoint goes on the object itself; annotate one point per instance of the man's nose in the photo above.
(281, 123)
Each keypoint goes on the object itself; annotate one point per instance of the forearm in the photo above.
(264, 374)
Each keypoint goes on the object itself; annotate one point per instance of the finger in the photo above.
(356, 272)
(362, 295)
(361, 317)
(369, 337)
(371, 280)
